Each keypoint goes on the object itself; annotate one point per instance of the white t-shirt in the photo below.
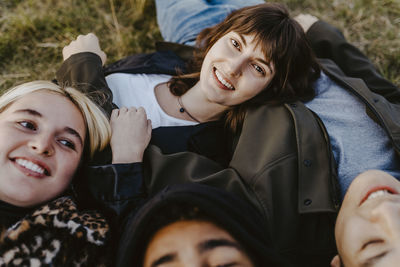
(137, 90)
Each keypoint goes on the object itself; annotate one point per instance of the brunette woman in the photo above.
(282, 160)
(249, 59)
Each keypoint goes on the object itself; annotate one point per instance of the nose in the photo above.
(235, 65)
(42, 144)
(387, 214)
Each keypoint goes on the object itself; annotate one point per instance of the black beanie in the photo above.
(232, 214)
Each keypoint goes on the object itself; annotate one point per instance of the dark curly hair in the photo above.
(281, 39)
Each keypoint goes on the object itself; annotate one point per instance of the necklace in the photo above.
(182, 109)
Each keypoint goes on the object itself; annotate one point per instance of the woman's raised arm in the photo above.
(86, 53)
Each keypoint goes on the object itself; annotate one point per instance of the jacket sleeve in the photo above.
(328, 42)
(115, 188)
(161, 170)
(84, 71)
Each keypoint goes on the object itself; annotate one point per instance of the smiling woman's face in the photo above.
(41, 144)
(235, 70)
(368, 225)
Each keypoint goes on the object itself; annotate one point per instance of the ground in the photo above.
(33, 32)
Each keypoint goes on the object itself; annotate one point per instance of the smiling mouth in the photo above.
(226, 85)
(30, 168)
(378, 192)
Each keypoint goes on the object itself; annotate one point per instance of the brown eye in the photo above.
(259, 69)
(28, 125)
(67, 143)
(235, 44)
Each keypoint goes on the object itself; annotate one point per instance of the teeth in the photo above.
(377, 194)
(30, 165)
(223, 81)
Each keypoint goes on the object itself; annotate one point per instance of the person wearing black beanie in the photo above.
(201, 206)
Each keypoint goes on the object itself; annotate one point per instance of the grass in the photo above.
(33, 32)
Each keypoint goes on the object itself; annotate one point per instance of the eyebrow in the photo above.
(202, 247)
(268, 64)
(38, 114)
(29, 111)
(75, 133)
(164, 259)
(242, 38)
(370, 261)
(214, 243)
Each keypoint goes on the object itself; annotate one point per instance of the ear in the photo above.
(336, 261)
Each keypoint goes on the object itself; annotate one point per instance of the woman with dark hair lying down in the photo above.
(202, 225)
(288, 147)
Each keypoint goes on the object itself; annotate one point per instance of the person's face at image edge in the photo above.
(234, 70)
(368, 225)
(194, 243)
(41, 144)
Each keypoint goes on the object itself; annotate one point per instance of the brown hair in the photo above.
(282, 40)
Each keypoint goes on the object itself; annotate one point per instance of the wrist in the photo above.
(132, 157)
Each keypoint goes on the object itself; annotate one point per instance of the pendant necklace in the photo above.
(182, 109)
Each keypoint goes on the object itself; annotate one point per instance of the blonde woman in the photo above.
(47, 132)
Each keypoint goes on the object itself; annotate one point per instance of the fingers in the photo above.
(115, 113)
(90, 37)
(124, 111)
(84, 43)
(130, 115)
(306, 21)
(131, 133)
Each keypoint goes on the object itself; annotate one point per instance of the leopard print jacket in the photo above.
(56, 234)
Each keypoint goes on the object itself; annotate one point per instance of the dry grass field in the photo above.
(33, 32)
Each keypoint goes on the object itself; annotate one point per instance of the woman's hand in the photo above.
(84, 43)
(306, 21)
(131, 132)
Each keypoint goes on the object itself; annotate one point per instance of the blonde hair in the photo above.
(97, 124)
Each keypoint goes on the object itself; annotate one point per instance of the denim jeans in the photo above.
(180, 21)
